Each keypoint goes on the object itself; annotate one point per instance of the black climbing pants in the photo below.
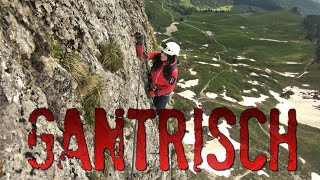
(160, 102)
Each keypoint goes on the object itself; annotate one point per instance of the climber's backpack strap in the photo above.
(173, 67)
(173, 79)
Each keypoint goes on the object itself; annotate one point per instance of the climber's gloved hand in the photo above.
(153, 86)
(152, 94)
(139, 37)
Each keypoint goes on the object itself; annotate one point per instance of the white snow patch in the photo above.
(184, 56)
(224, 96)
(284, 145)
(192, 72)
(205, 45)
(254, 74)
(242, 27)
(215, 65)
(235, 70)
(288, 74)
(211, 95)
(195, 56)
(240, 58)
(265, 75)
(252, 60)
(282, 130)
(268, 70)
(254, 82)
(240, 64)
(269, 77)
(189, 95)
(189, 138)
(251, 101)
(315, 176)
(305, 85)
(306, 108)
(265, 39)
(187, 84)
(254, 89)
(261, 172)
(292, 63)
(303, 161)
(246, 91)
(214, 59)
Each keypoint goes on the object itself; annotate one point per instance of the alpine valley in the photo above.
(242, 54)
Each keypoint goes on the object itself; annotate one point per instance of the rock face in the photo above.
(32, 78)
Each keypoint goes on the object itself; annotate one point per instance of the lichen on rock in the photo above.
(32, 78)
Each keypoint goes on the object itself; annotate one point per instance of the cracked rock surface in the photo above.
(31, 78)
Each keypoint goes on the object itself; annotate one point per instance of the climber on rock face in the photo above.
(164, 71)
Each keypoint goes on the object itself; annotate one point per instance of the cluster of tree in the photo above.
(317, 53)
(312, 24)
(183, 10)
(211, 3)
(173, 1)
(295, 10)
(305, 7)
(263, 4)
(214, 10)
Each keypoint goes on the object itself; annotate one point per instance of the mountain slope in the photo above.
(264, 4)
(304, 7)
(243, 60)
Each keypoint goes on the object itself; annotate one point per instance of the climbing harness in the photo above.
(150, 85)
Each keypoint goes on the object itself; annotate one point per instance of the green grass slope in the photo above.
(268, 41)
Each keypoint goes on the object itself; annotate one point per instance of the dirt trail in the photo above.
(202, 95)
(305, 69)
(172, 17)
(217, 53)
(206, 86)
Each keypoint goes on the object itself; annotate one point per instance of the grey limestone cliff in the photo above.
(31, 77)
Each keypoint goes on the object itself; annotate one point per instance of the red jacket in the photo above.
(163, 86)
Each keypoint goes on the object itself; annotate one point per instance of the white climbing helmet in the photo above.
(170, 48)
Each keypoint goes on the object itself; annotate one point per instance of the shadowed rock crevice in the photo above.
(32, 77)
